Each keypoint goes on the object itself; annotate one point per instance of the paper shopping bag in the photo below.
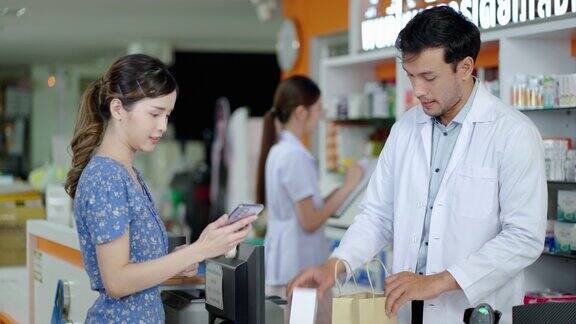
(345, 309)
(345, 306)
(372, 308)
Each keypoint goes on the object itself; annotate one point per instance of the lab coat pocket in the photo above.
(475, 192)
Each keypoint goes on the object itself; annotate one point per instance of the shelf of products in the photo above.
(376, 101)
(560, 255)
(560, 159)
(544, 91)
(563, 109)
(349, 141)
(561, 183)
(357, 125)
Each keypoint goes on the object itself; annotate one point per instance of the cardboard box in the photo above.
(15, 210)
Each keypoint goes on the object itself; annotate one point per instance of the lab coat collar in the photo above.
(290, 138)
(482, 108)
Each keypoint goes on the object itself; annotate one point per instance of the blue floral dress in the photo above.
(108, 204)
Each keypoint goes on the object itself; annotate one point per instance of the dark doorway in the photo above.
(245, 79)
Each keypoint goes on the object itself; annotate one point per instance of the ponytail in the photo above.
(88, 134)
(269, 138)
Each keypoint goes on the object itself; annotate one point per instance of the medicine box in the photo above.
(566, 206)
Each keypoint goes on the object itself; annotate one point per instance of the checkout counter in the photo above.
(235, 286)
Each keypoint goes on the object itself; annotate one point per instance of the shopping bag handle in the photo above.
(338, 283)
(386, 273)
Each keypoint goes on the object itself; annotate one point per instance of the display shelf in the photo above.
(370, 57)
(560, 255)
(527, 51)
(562, 183)
(557, 27)
(562, 109)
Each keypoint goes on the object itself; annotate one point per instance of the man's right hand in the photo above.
(321, 278)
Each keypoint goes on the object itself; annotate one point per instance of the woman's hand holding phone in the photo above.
(221, 236)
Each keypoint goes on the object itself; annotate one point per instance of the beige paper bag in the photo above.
(345, 307)
(372, 308)
(360, 307)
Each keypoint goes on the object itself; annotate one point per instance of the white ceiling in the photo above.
(68, 30)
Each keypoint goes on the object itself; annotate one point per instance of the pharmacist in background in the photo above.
(287, 181)
(459, 190)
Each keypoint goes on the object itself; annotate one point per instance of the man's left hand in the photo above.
(407, 286)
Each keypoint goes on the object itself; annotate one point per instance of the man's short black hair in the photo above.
(440, 27)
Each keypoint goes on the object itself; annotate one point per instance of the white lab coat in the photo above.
(489, 217)
(291, 176)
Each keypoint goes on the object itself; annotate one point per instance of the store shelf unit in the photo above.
(566, 184)
(560, 255)
(549, 110)
(342, 76)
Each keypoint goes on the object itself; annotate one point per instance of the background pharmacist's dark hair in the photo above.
(130, 78)
(440, 27)
(292, 92)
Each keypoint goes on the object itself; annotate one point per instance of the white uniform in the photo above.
(489, 217)
(291, 176)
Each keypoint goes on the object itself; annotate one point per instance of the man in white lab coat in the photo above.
(459, 190)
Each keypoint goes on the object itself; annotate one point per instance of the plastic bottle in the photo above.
(548, 91)
(519, 92)
(533, 92)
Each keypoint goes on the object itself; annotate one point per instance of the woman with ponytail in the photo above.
(122, 239)
(288, 184)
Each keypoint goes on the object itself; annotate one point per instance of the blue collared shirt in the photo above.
(443, 142)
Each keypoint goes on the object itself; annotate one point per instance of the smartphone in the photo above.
(243, 211)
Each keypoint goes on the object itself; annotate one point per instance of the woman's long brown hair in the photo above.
(129, 79)
(292, 92)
